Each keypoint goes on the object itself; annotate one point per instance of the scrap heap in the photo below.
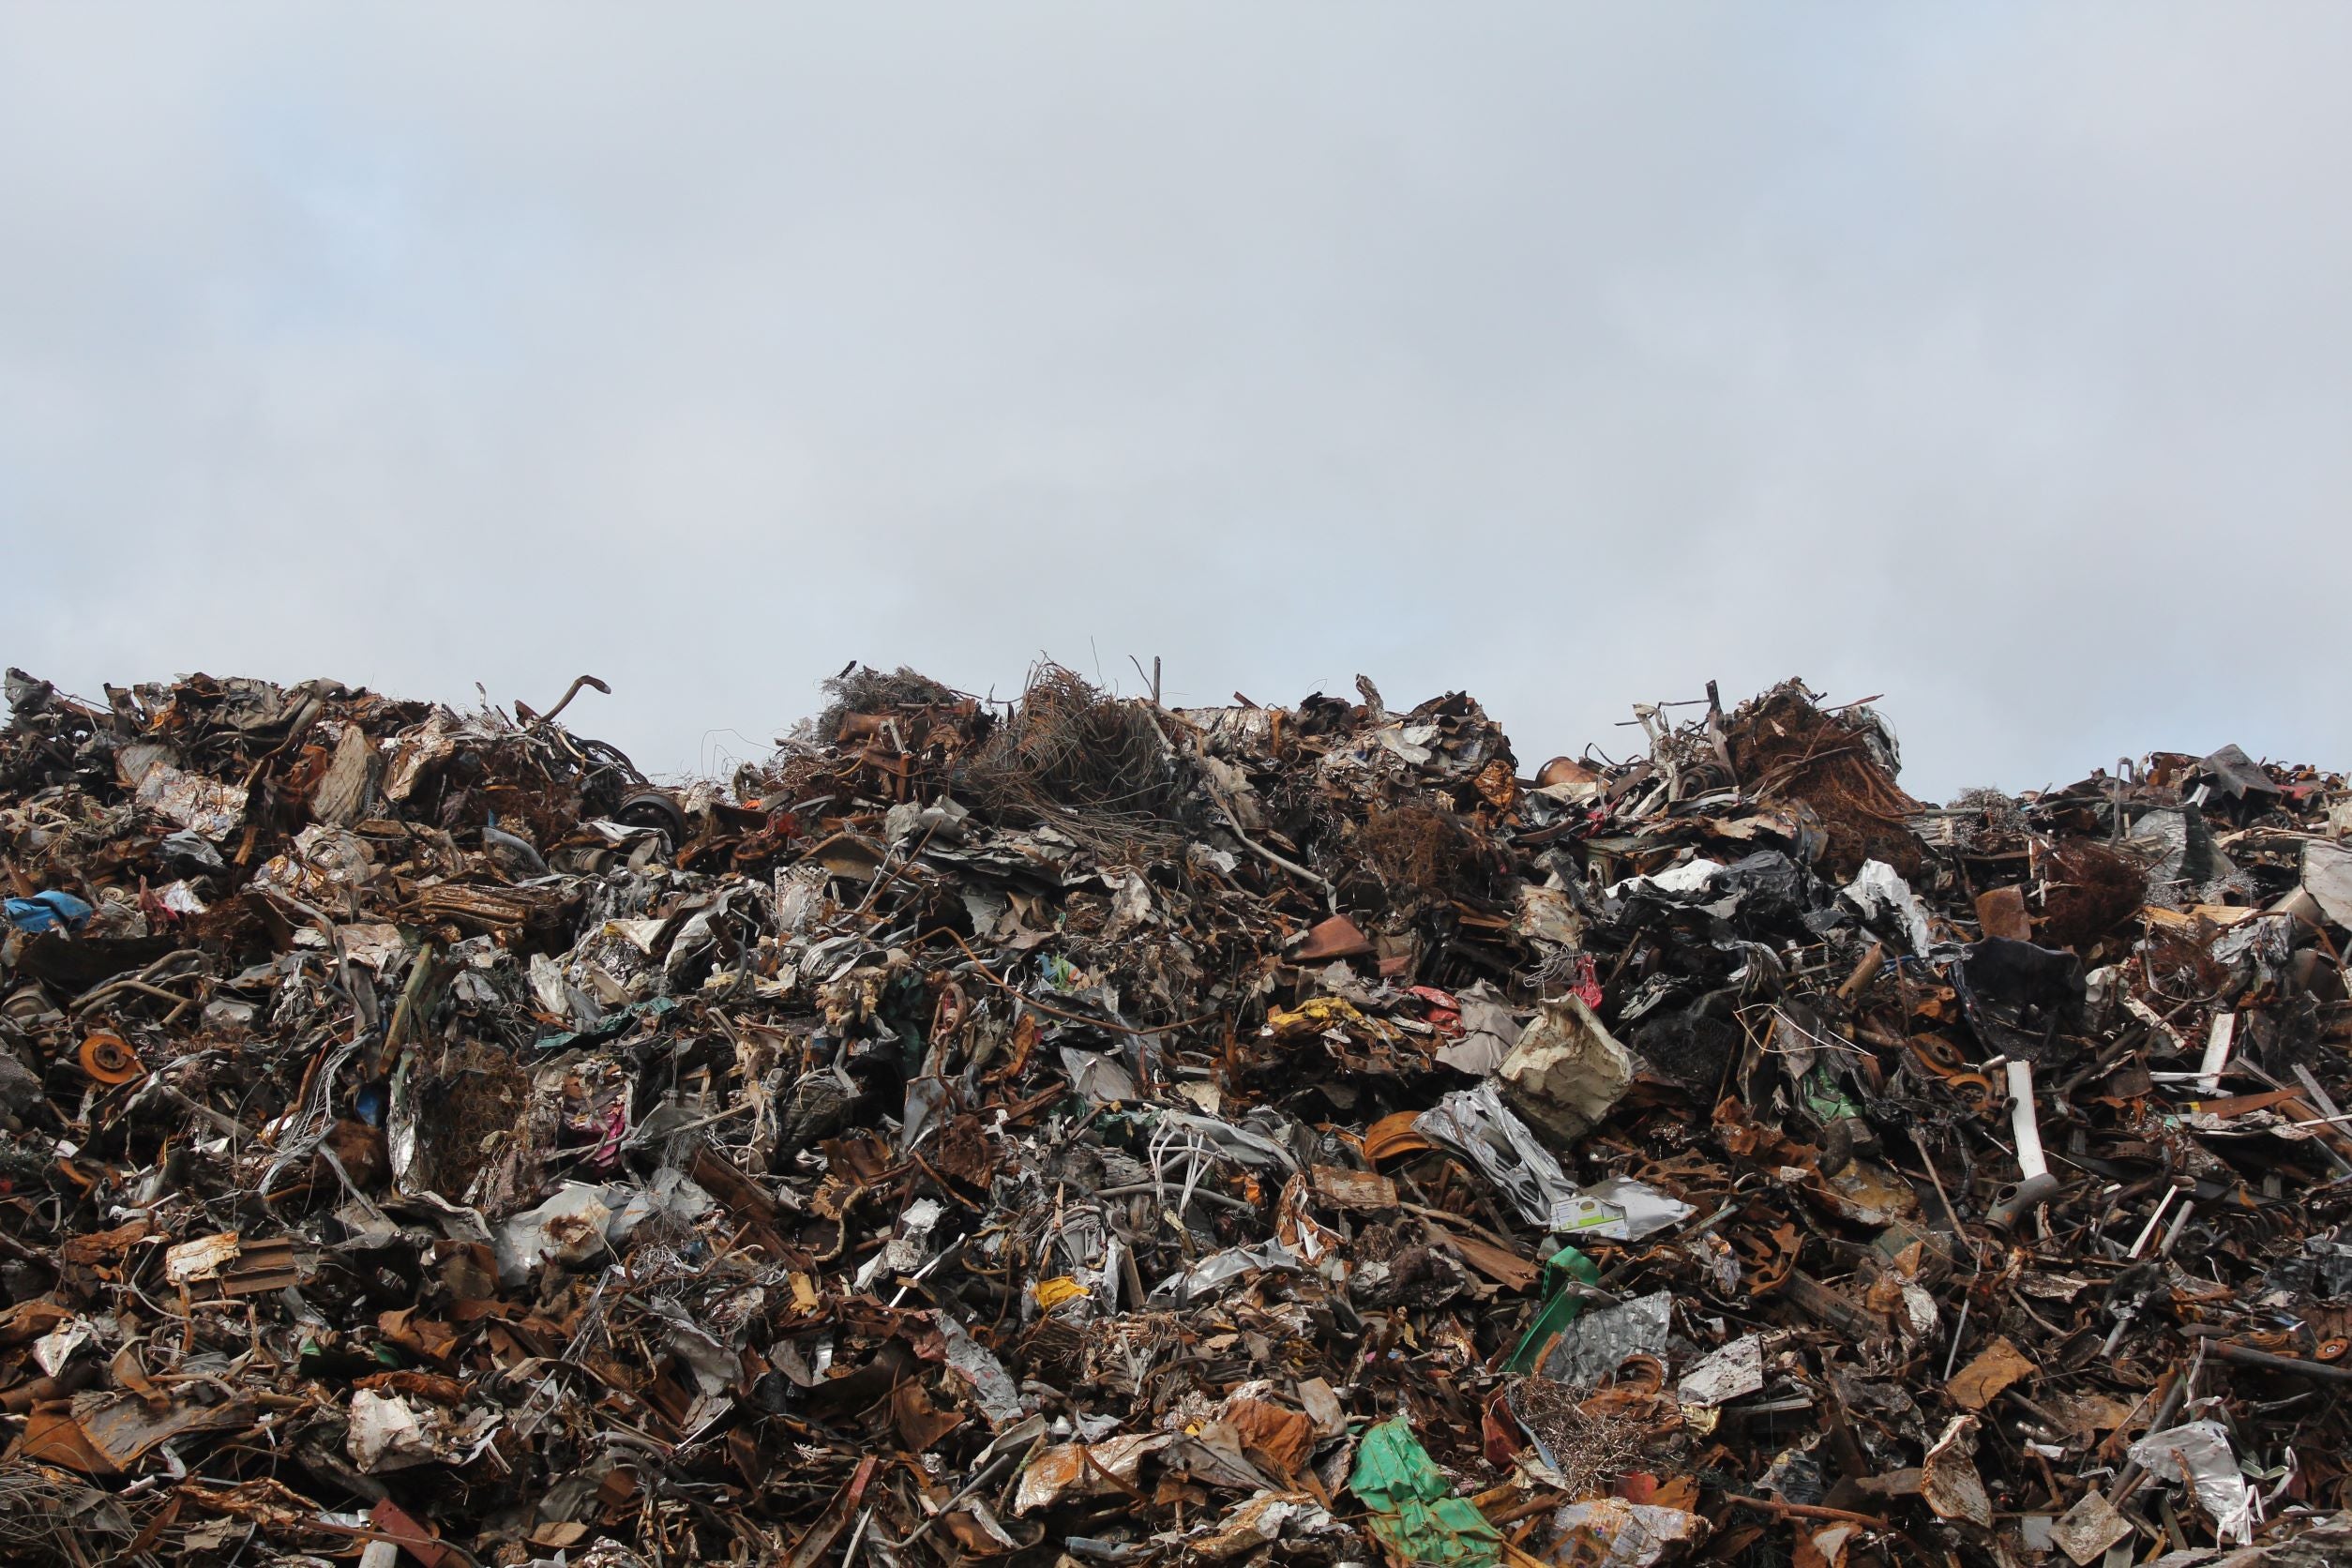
(1084, 1132)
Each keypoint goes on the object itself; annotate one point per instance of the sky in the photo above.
(1996, 359)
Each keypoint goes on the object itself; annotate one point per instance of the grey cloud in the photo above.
(1990, 360)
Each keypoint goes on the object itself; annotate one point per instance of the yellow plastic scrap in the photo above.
(1319, 1015)
(1053, 1292)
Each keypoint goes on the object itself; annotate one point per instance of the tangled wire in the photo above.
(1089, 763)
(46, 1511)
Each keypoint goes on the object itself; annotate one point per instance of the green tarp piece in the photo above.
(1567, 1267)
(1824, 1100)
(1415, 1513)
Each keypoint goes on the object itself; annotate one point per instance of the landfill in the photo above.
(1083, 1131)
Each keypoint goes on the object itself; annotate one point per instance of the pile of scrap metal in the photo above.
(1080, 1131)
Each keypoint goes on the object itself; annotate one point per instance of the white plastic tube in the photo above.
(2023, 1122)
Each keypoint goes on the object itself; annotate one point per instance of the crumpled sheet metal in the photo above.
(1948, 1479)
(1600, 1341)
(1721, 1376)
(1086, 1470)
(1565, 1071)
(1629, 1534)
(2328, 879)
(389, 1432)
(2197, 1455)
(1476, 1124)
(1880, 893)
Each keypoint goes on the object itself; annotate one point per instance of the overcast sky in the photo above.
(1995, 360)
